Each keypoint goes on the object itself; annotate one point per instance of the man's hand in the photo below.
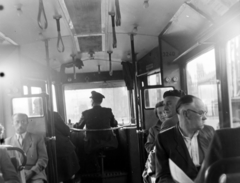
(28, 174)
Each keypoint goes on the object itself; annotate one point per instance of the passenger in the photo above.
(150, 144)
(186, 143)
(67, 160)
(1, 134)
(225, 144)
(34, 147)
(98, 118)
(171, 98)
(154, 130)
(7, 169)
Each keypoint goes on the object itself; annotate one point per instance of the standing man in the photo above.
(98, 118)
(34, 147)
(186, 143)
(171, 98)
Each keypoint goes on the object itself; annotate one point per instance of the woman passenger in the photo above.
(154, 130)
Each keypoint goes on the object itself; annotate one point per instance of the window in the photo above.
(154, 95)
(233, 68)
(154, 79)
(36, 90)
(201, 82)
(54, 99)
(25, 90)
(117, 98)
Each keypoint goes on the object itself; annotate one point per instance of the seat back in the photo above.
(223, 166)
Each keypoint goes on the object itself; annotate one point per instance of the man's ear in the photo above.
(185, 114)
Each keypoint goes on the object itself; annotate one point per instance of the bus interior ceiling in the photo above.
(76, 39)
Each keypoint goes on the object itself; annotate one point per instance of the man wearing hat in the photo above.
(97, 119)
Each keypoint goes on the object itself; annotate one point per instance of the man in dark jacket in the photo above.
(186, 143)
(98, 118)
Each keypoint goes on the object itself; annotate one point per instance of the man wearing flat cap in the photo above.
(98, 118)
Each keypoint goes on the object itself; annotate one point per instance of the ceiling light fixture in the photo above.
(19, 9)
(145, 4)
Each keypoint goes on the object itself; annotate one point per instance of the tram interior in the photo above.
(67, 48)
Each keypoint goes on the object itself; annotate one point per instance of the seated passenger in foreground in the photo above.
(7, 169)
(225, 144)
(154, 130)
(186, 143)
(171, 98)
(34, 147)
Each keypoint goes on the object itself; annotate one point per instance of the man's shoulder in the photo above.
(167, 132)
(35, 136)
(9, 139)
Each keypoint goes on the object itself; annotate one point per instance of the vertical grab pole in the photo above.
(51, 132)
(110, 62)
(139, 131)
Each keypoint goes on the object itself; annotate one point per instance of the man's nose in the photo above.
(204, 117)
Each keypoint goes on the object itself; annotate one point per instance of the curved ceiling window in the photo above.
(201, 82)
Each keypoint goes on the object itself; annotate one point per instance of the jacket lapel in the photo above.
(15, 142)
(180, 145)
(27, 142)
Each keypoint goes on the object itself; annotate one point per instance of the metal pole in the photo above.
(139, 131)
(51, 132)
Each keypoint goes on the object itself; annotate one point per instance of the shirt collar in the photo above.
(185, 137)
(23, 135)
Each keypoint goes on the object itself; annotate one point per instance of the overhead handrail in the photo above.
(40, 12)
(118, 13)
(104, 129)
(60, 45)
(11, 148)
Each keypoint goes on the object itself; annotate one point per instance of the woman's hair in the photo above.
(159, 104)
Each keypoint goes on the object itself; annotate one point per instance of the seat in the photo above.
(228, 166)
(14, 160)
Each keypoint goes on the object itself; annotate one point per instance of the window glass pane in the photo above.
(25, 90)
(36, 90)
(154, 79)
(31, 106)
(54, 98)
(78, 101)
(201, 82)
(154, 95)
(233, 59)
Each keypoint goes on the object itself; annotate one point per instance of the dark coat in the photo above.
(98, 118)
(152, 134)
(170, 144)
(67, 161)
(225, 144)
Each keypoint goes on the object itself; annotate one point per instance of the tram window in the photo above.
(201, 82)
(154, 95)
(36, 90)
(117, 98)
(154, 79)
(233, 67)
(25, 90)
(32, 106)
(54, 98)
